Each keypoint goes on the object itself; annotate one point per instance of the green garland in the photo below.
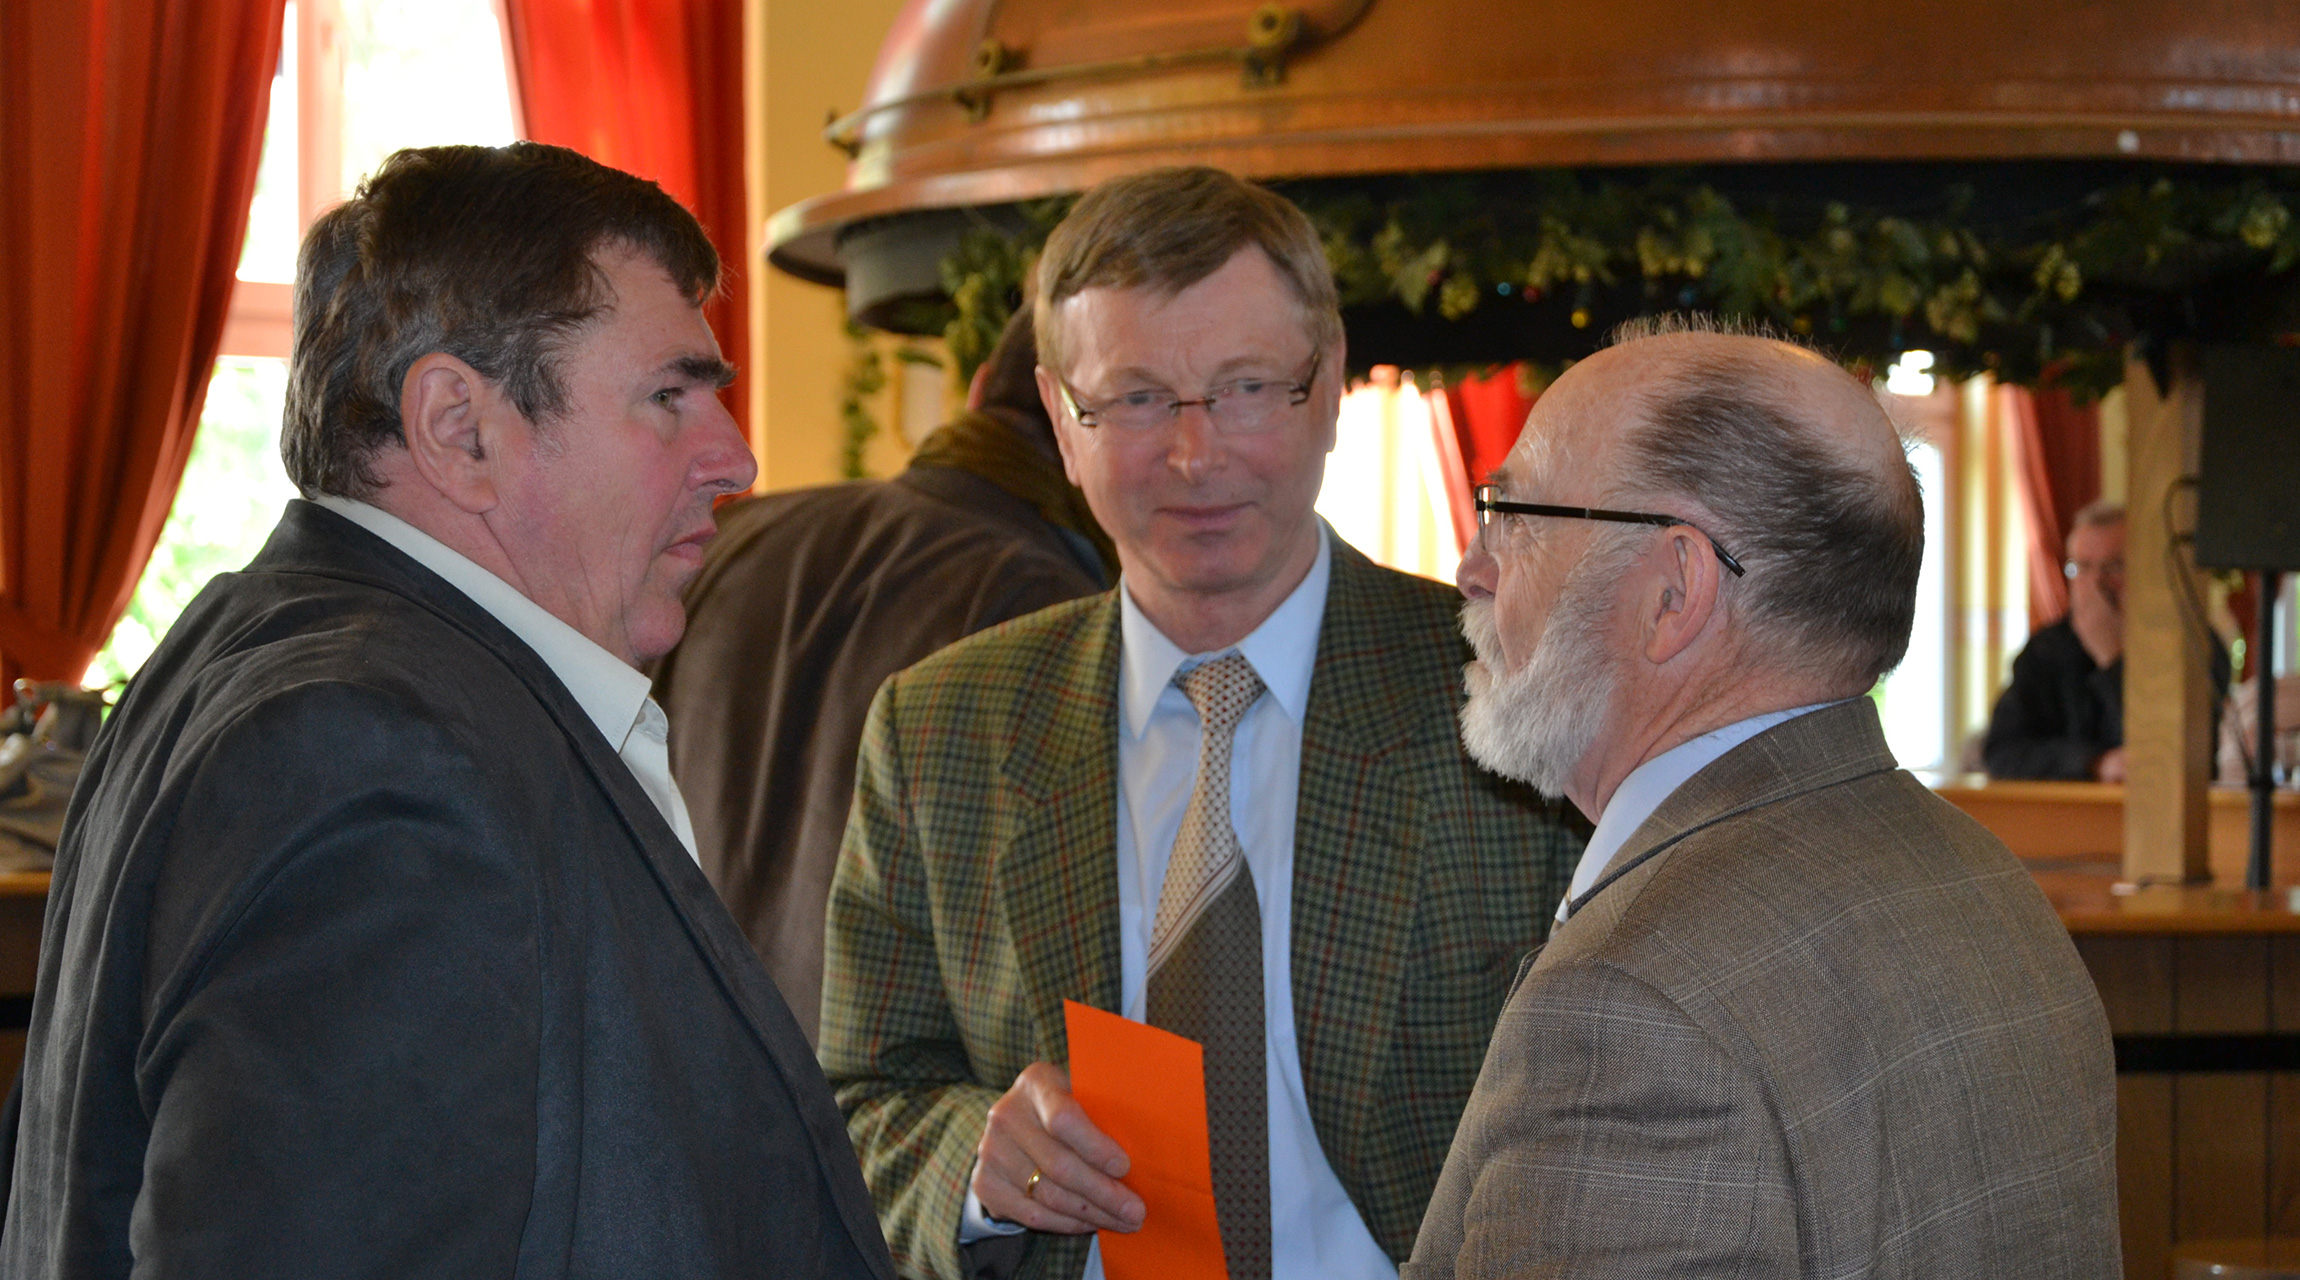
(865, 379)
(2051, 300)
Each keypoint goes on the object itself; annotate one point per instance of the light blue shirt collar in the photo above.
(1283, 650)
(1655, 781)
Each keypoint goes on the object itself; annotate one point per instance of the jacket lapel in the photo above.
(1357, 863)
(1057, 874)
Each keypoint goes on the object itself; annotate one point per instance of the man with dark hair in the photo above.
(1800, 1017)
(1227, 799)
(811, 598)
(376, 946)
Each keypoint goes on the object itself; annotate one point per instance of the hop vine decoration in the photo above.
(2054, 299)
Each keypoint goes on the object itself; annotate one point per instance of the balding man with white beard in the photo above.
(1799, 1017)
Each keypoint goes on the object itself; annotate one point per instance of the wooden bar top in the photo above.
(23, 884)
(2071, 837)
(2091, 904)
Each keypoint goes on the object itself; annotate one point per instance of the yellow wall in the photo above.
(806, 59)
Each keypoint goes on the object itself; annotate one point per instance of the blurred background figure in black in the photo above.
(2062, 716)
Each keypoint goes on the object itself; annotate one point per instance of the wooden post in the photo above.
(2167, 679)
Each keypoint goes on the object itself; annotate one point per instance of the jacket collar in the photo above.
(1819, 749)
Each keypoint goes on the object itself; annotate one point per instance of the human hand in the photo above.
(1037, 1127)
(2110, 766)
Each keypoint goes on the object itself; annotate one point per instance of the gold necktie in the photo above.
(1206, 969)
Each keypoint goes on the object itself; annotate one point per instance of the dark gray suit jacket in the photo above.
(1819, 1023)
(368, 957)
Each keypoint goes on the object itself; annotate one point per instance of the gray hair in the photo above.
(2099, 511)
(1832, 548)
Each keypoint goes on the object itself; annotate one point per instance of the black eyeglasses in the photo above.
(1488, 502)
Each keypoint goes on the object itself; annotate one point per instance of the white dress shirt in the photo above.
(1653, 782)
(611, 693)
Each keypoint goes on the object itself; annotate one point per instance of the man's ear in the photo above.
(1686, 603)
(1050, 395)
(450, 417)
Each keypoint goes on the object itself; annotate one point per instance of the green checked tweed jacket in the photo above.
(978, 888)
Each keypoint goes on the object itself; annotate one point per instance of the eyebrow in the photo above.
(718, 373)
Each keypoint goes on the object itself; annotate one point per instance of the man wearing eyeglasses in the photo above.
(2062, 714)
(1800, 1017)
(1228, 799)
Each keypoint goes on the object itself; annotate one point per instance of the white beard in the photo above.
(1536, 723)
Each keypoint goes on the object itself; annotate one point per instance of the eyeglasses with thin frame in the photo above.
(1240, 407)
(1489, 502)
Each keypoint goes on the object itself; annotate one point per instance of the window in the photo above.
(357, 80)
(1385, 489)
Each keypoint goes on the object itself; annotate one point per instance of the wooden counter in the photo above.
(2084, 821)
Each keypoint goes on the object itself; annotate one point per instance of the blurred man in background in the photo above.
(2062, 715)
(810, 599)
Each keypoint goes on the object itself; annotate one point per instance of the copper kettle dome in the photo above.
(979, 104)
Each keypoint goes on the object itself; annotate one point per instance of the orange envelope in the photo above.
(1146, 1088)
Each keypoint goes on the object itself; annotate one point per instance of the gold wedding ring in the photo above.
(1030, 1188)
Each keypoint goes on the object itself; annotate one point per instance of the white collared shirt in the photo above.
(610, 691)
(1653, 782)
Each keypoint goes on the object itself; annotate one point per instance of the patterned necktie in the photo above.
(1206, 969)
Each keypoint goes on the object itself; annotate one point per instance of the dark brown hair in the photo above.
(489, 254)
(1167, 229)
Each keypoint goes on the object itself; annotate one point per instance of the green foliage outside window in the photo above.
(234, 486)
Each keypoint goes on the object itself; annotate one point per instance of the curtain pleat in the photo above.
(133, 129)
(2056, 456)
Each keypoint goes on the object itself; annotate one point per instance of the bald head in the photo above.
(1782, 457)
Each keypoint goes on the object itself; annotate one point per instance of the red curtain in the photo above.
(131, 131)
(2056, 453)
(1488, 414)
(654, 87)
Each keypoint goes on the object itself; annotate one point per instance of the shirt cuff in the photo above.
(974, 1225)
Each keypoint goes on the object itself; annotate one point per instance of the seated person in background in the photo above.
(377, 946)
(810, 599)
(2240, 725)
(2062, 716)
(1802, 1017)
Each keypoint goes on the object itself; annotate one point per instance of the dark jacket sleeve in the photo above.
(340, 1056)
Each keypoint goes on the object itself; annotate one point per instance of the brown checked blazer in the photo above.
(1819, 1023)
(978, 888)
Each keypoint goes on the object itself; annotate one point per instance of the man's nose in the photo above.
(1194, 444)
(1477, 572)
(725, 462)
